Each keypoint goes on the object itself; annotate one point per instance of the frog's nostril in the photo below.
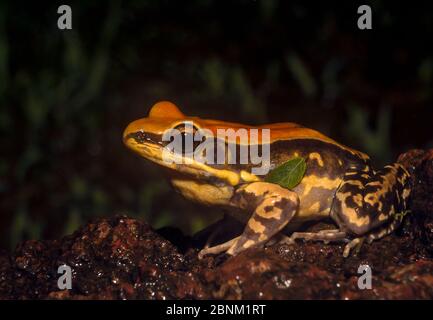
(134, 127)
(138, 136)
(141, 137)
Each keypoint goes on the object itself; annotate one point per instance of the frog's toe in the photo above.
(326, 236)
(217, 249)
(281, 239)
(355, 244)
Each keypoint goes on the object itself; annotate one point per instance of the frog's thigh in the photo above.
(368, 200)
(273, 208)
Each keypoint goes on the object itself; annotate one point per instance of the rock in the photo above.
(122, 258)
(420, 163)
(117, 258)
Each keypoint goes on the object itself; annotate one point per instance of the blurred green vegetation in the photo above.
(374, 141)
(66, 96)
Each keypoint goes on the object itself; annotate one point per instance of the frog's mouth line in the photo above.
(152, 150)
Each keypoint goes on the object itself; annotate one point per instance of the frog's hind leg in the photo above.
(367, 203)
(273, 205)
(382, 232)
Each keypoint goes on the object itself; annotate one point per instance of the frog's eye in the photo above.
(187, 131)
(187, 126)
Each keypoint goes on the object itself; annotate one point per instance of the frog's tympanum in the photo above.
(339, 185)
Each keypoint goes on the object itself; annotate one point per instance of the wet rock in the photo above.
(420, 163)
(122, 258)
(117, 258)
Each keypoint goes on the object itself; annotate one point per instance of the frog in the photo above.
(339, 186)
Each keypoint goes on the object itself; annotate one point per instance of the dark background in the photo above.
(66, 96)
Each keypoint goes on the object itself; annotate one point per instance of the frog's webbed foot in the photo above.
(328, 235)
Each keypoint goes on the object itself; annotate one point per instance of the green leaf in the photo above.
(289, 174)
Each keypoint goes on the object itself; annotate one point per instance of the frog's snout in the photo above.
(132, 128)
(139, 132)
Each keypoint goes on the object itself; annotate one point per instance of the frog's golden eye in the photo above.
(187, 131)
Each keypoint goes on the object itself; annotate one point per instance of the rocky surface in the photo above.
(122, 258)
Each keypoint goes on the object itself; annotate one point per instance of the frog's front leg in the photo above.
(273, 207)
(368, 203)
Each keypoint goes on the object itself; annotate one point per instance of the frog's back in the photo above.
(325, 154)
(288, 138)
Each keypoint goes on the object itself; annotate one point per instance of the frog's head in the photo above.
(148, 138)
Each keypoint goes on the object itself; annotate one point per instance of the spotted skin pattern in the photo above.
(368, 199)
(364, 204)
(367, 204)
